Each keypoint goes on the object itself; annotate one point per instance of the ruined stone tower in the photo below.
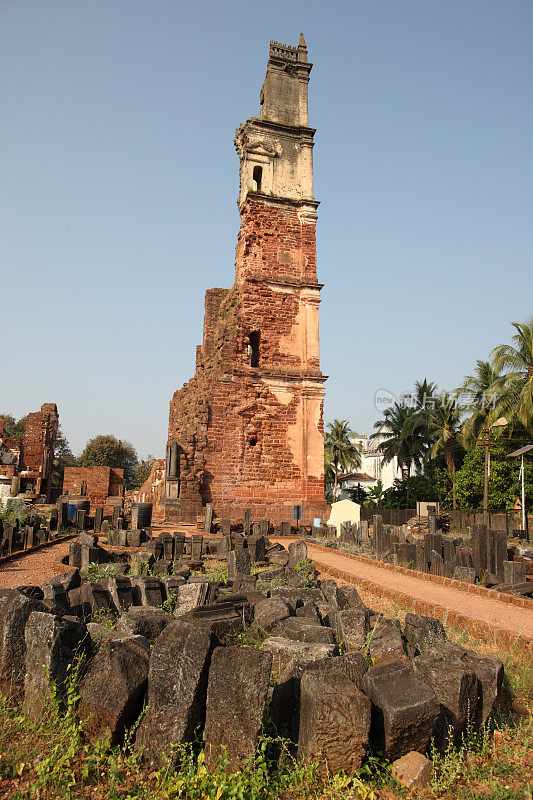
(247, 431)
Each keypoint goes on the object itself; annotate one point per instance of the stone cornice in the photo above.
(289, 375)
(282, 127)
(274, 200)
(298, 284)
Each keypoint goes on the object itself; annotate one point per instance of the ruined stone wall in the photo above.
(252, 437)
(38, 442)
(102, 482)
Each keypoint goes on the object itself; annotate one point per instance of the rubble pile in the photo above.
(331, 674)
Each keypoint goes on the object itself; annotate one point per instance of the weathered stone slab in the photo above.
(297, 553)
(490, 673)
(236, 699)
(351, 628)
(15, 610)
(147, 591)
(348, 597)
(120, 589)
(386, 644)
(456, 687)
(404, 709)
(90, 600)
(329, 590)
(143, 621)
(296, 597)
(334, 722)
(269, 612)
(112, 691)
(303, 630)
(465, 574)
(239, 563)
(190, 595)
(352, 665)
(285, 650)
(52, 643)
(423, 633)
(177, 688)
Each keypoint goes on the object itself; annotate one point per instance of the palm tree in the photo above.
(516, 382)
(424, 392)
(443, 422)
(399, 435)
(340, 451)
(481, 391)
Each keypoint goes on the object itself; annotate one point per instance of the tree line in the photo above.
(439, 438)
(103, 450)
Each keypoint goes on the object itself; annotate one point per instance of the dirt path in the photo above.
(517, 621)
(35, 568)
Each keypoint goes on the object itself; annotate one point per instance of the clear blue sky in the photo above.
(119, 182)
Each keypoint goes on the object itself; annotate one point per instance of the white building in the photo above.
(372, 469)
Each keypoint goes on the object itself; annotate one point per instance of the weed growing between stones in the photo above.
(52, 759)
(494, 758)
(308, 570)
(218, 572)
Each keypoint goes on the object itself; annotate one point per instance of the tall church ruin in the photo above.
(247, 430)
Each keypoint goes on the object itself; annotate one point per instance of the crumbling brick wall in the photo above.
(102, 482)
(38, 442)
(242, 429)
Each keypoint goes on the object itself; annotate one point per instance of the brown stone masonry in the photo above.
(247, 430)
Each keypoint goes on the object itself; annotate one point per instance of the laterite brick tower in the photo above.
(247, 430)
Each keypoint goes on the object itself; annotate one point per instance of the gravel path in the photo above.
(35, 568)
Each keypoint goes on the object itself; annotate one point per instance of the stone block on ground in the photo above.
(91, 600)
(286, 650)
(177, 687)
(236, 698)
(239, 563)
(280, 557)
(326, 613)
(348, 597)
(304, 630)
(490, 673)
(69, 580)
(334, 722)
(351, 665)
(297, 553)
(465, 574)
(386, 644)
(147, 591)
(329, 590)
(15, 610)
(351, 628)
(52, 644)
(269, 612)
(55, 593)
(120, 589)
(145, 621)
(423, 633)
(404, 709)
(456, 688)
(112, 691)
(190, 596)
(412, 770)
